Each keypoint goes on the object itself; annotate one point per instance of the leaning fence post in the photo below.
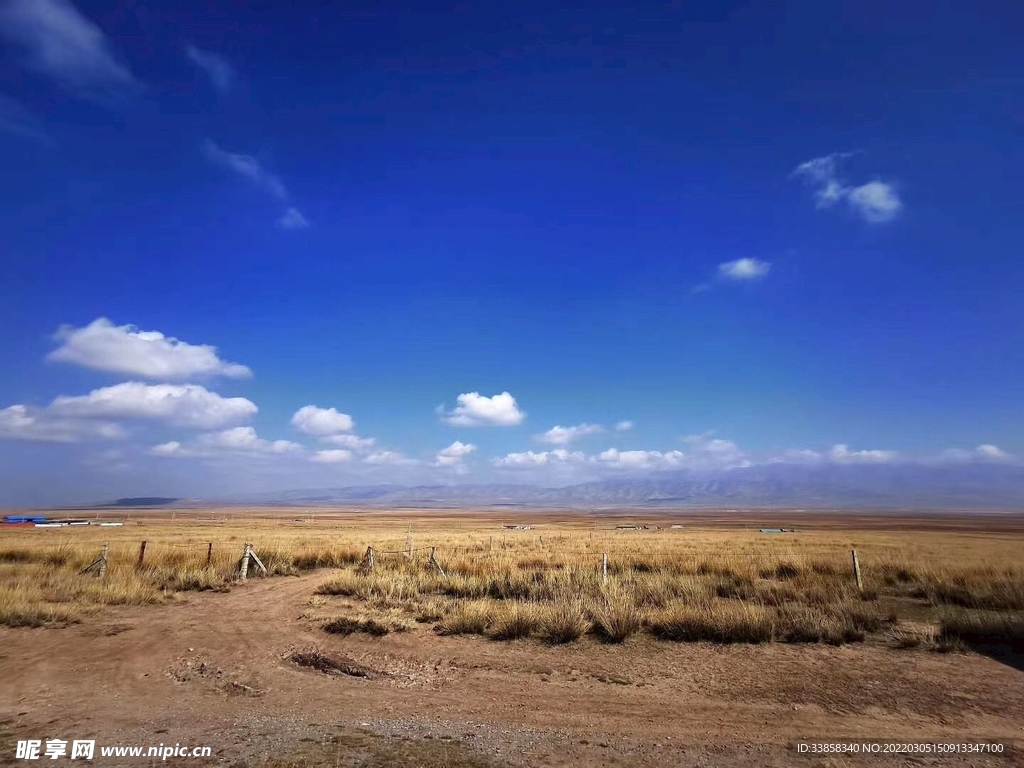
(142, 554)
(604, 567)
(103, 559)
(243, 569)
(209, 553)
(437, 564)
(856, 571)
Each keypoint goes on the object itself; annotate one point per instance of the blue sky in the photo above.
(754, 233)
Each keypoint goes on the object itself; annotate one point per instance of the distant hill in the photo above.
(868, 486)
(140, 501)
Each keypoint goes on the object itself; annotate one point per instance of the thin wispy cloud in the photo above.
(292, 219)
(251, 169)
(59, 42)
(559, 435)
(18, 121)
(875, 202)
(218, 69)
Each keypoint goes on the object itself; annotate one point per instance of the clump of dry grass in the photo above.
(719, 621)
(563, 622)
(468, 618)
(347, 625)
(513, 621)
(615, 617)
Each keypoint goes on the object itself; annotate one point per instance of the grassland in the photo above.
(928, 588)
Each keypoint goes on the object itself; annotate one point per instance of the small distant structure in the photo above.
(111, 525)
(22, 519)
(778, 530)
(518, 527)
(676, 527)
(636, 527)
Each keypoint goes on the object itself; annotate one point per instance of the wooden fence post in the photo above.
(243, 569)
(604, 568)
(856, 571)
(103, 559)
(142, 555)
(209, 554)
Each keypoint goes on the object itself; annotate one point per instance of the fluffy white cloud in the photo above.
(624, 426)
(476, 410)
(217, 68)
(103, 346)
(351, 442)
(876, 201)
(333, 456)
(321, 422)
(388, 457)
(20, 422)
(558, 435)
(641, 459)
(744, 269)
(985, 452)
(454, 454)
(166, 449)
(292, 218)
(237, 441)
(64, 45)
(186, 405)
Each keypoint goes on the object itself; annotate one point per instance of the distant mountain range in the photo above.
(875, 486)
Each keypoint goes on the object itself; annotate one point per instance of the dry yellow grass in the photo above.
(715, 585)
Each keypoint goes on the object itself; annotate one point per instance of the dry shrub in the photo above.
(327, 663)
(913, 636)
(563, 623)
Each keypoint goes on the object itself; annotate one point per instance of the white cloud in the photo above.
(292, 218)
(64, 45)
(530, 459)
(248, 167)
(388, 457)
(989, 451)
(624, 426)
(186, 405)
(476, 410)
(321, 422)
(351, 442)
(333, 456)
(558, 435)
(218, 69)
(454, 454)
(875, 202)
(641, 459)
(744, 269)
(842, 454)
(239, 441)
(21, 422)
(103, 346)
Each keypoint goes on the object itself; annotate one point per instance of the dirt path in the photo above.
(211, 670)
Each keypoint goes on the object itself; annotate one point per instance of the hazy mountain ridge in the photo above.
(985, 486)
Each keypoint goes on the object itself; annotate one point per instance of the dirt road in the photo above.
(212, 670)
